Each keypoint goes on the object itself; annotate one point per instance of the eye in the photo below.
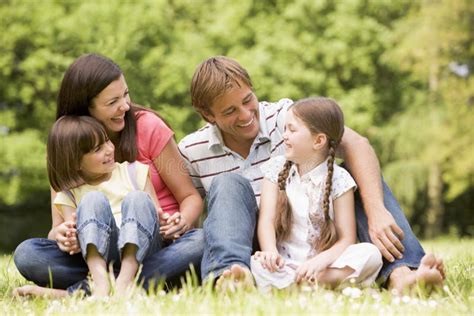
(126, 93)
(229, 112)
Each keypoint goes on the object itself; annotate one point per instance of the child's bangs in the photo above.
(92, 136)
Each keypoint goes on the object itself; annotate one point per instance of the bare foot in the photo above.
(237, 277)
(430, 274)
(36, 291)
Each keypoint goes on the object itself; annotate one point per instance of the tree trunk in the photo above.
(435, 211)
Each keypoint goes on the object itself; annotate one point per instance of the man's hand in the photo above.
(386, 234)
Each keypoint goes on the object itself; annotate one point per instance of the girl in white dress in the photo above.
(306, 225)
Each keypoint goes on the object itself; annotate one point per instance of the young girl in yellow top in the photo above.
(105, 195)
(306, 226)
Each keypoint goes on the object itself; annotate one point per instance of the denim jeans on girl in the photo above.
(41, 261)
(232, 216)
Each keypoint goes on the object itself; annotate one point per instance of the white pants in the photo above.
(364, 258)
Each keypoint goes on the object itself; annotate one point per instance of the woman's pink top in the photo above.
(152, 137)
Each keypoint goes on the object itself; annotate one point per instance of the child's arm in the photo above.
(269, 256)
(63, 229)
(346, 231)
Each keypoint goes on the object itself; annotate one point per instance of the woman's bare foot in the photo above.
(36, 291)
(237, 277)
(429, 274)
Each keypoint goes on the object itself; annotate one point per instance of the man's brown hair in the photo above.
(214, 77)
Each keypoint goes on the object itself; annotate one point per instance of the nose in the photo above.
(110, 147)
(285, 135)
(125, 106)
(245, 114)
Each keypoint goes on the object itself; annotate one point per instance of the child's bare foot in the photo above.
(237, 277)
(36, 291)
(429, 274)
(123, 287)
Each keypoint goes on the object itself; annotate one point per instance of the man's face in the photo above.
(236, 114)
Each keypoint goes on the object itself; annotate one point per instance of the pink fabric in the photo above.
(152, 137)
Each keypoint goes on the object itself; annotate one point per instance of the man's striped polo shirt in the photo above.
(206, 156)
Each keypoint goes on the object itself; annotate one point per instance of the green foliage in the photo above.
(375, 57)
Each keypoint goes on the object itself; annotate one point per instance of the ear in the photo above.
(208, 116)
(319, 141)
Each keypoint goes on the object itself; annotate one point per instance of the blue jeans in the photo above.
(413, 251)
(230, 224)
(232, 217)
(40, 260)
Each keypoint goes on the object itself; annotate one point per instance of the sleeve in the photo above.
(63, 199)
(193, 173)
(342, 182)
(152, 134)
(272, 168)
(141, 174)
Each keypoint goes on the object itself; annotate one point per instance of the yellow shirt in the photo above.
(115, 189)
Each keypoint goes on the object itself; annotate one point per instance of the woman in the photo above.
(94, 85)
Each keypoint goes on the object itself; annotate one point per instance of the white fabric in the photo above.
(364, 258)
(302, 193)
(206, 155)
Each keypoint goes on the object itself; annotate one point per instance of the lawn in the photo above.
(456, 298)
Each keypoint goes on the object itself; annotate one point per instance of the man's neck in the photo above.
(242, 147)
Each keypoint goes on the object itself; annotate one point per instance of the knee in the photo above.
(229, 182)
(93, 205)
(137, 204)
(23, 255)
(373, 253)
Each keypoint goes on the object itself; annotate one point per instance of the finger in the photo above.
(391, 247)
(173, 218)
(397, 230)
(396, 242)
(385, 253)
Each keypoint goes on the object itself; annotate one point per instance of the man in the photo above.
(223, 159)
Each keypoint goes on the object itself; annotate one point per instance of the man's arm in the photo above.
(362, 162)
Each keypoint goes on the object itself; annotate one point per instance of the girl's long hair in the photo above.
(320, 115)
(70, 138)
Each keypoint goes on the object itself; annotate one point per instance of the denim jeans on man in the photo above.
(232, 216)
(41, 261)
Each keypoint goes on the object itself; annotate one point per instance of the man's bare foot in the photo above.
(430, 274)
(237, 277)
(36, 291)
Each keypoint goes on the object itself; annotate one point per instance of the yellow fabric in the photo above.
(115, 189)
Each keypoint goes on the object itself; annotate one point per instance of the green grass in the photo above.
(456, 298)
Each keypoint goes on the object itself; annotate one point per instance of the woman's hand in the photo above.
(272, 261)
(174, 225)
(66, 237)
(310, 269)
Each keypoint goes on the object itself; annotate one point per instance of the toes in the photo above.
(428, 260)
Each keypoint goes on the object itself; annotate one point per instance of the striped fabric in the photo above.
(206, 155)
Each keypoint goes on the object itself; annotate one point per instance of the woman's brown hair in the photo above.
(70, 138)
(85, 78)
(320, 115)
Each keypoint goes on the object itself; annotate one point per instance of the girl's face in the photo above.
(110, 105)
(299, 141)
(99, 162)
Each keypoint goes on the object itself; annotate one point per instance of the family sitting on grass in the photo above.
(125, 196)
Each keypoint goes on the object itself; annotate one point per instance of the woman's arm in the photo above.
(172, 170)
(362, 162)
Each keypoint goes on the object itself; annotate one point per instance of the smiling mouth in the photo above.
(118, 118)
(248, 124)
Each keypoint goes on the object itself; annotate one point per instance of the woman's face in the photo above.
(110, 105)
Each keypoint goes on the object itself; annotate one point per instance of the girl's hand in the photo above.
(272, 261)
(310, 269)
(175, 226)
(66, 237)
